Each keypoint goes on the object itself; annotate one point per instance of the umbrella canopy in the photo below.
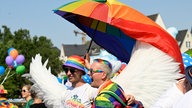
(116, 27)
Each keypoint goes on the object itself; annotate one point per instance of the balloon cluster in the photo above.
(15, 60)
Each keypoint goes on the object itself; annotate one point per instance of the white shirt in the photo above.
(185, 101)
(168, 98)
(79, 97)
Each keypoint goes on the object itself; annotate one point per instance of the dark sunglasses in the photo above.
(95, 71)
(72, 70)
(23, 90)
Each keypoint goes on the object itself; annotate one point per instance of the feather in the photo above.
(148, 74)
(53, 91)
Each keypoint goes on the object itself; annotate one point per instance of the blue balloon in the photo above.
(87, 79)
(2, 70)
(9, 50)
(187, 60)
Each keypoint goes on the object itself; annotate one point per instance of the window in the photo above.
(188, 44)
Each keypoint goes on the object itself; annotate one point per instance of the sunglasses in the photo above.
(23, 90)
(95, 71)
(72, 70)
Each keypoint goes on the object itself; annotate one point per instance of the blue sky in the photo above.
(37, 16)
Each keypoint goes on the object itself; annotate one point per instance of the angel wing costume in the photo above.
(149, 73)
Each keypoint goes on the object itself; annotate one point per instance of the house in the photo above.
(81, 50)
(158, 19)
(184, 39)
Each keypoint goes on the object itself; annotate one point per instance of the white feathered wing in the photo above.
(53, 91)
(148, 74)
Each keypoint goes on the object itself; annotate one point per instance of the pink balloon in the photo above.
(9, 60)
(20, 59)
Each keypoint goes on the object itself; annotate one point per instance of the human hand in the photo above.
(87, 61)
(130, 99)
(87, 57)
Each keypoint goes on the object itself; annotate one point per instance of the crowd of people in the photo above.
(102, 92)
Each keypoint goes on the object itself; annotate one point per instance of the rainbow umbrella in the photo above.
(116, 27)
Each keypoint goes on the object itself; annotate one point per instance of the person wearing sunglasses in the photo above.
(80, 94)
(26, 93)
(110, 94)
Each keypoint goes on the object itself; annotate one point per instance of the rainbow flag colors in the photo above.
(116, 27)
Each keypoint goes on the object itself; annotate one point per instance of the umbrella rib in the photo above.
(93, 37)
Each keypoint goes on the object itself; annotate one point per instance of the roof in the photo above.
(181, 36)
(81, 50)
(153, 17)
(74, 49)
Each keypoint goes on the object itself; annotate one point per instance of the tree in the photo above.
(29, 47)
(189, 52)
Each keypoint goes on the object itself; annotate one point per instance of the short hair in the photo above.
(105, 66)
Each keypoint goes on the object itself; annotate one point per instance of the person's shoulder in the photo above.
(89, 87)
(111, 85)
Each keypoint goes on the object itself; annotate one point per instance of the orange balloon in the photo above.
(14, 54)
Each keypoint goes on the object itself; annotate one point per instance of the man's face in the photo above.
(73, 74)
(96, 75)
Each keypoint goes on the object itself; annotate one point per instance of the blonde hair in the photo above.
(28, 86)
